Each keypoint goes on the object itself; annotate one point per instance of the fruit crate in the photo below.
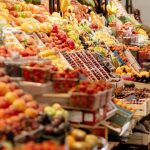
(36, 89)
(141, 106)
(36, 74)
(63, 85)
(89, 101)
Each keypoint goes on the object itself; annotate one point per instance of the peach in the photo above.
(2, 113)
(31, 112)
(19, 92)
(32, 104)
(11, 97)
(28, 97)
(19, 104)
(3, 89)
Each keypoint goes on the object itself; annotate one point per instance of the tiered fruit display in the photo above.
(38, 71)
(130, 74)
(30, 45)
(16, 108)
(90, 95)
(87, 62)
(58, 40)
(20, 113)
(105, 37)
(52, 55)
(72, 31)
(125, 70)
(79, 140)
(120, 50)
(77, 10)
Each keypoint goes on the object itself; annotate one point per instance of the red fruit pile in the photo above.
(89, 95)
(40, 72)
(3, 51)
(16, 108)
(92, 87)
(64, 81)
(58, 40)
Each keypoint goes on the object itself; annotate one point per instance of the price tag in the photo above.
(76, 116)
(88, 117)
(130, 97)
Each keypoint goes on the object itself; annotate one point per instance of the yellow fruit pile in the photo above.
(123, 105)
(124, 70)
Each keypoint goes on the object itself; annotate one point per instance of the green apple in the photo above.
(50, 111)
(59, 113)
(66, 114)
(57, 106)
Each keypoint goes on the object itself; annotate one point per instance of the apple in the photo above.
(27, 97)
(50, 110)
(54, 28)
(32, 104)
(19, 104)
(66, 114)
(57, 106)
(4, 104)
(59, 113)
(31, 112)
(19, 92)
(71, 44)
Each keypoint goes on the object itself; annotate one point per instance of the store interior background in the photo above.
(144, 7)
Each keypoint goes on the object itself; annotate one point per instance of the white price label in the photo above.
(76, 116)
(88, 117)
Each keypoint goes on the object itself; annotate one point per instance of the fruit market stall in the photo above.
(75, 60)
